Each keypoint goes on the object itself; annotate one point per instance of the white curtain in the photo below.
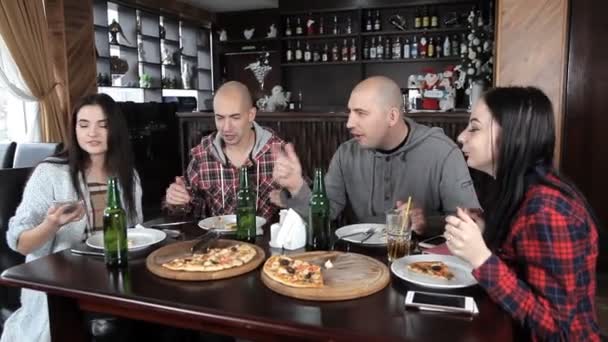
(23, 119)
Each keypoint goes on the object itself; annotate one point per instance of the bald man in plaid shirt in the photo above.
(210, 185)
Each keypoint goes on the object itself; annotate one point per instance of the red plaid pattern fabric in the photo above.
(544, 274)
(204, 180)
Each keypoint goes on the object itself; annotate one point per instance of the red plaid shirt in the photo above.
(212, 198)
(544, 275)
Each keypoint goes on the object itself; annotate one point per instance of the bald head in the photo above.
(380, 90)
(235, 93)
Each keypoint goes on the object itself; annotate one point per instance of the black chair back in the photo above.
(7, 153)
(12, 182)
(30, 154)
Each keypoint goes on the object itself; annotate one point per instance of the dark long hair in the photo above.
(119, 157)
(525, 148)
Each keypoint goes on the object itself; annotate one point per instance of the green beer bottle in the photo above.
(245, 209)
(318, 237)
(114, 228)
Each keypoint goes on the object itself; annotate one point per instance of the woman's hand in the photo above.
(57, 216)
(464, 239)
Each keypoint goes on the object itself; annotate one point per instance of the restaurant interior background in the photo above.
(557, 45)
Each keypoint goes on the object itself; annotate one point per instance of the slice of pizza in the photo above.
(293, 272)
(215, 259)
(436, 269)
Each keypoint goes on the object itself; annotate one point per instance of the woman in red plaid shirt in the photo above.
(537, 255)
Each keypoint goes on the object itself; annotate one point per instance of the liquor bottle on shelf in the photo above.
(325, 54)
(414, 48)
(289, 53)
(406, 49)
(321, 26)
(447, 47)
(377, 22)
(373, 49)
(335, 30)
(310, 25)
(438, 47)
(422, 47)
(387, 48)
(335, 53)
(298, 52)
(366, 49)
(463, 45)
(379, 49)
(430, 48)
(425, 18)
(316, 55)
(455, 46)
(349, 26)
(434, 19)
(344, 53)
(287, 28)
(368, 21)
(397, 48)
(418, 19)
(300, 103)
(353, 50)
(307, 53)
(299, 30)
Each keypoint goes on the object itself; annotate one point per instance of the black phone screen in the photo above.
(423, 298)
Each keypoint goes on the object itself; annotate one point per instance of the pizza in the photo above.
(437, 269)
(215, 259)
(293, 272)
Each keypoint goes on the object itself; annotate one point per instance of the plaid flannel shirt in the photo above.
(544, 274)
(212, 198)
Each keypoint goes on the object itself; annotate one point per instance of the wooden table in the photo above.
(240, 306)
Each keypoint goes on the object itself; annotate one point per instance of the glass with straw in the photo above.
(398, 232)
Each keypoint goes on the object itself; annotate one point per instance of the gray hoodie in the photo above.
(429, 167)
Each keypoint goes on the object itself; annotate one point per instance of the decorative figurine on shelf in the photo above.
(138, 25)
(260, 68)
(118, 65)
(430, 94)
(161, 31)
(176, 54)
(277, 101)
(448, 101)
(398, 21)
(186, 75)
(145, 80)
(167, 57)
(248, 33)
(272, 31)
(223, 35)
(115, 29)
(140, 51)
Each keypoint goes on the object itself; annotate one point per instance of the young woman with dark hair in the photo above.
(536, 253)
(98, 148)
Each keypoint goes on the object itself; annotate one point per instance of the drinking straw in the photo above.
(406, 213)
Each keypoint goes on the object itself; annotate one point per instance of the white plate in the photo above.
(139, 238)
(378, 239)
(460, 268)
(227, 224)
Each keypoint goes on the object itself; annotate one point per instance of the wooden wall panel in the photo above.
(531, 49)
(72, 40)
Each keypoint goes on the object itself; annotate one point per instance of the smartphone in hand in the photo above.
(72, 205)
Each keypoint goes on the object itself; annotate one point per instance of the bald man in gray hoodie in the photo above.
(389, 158)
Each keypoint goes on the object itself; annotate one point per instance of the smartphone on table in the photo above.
(440, 302)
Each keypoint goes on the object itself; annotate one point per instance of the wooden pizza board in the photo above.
(352, 276)
(181, 249)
